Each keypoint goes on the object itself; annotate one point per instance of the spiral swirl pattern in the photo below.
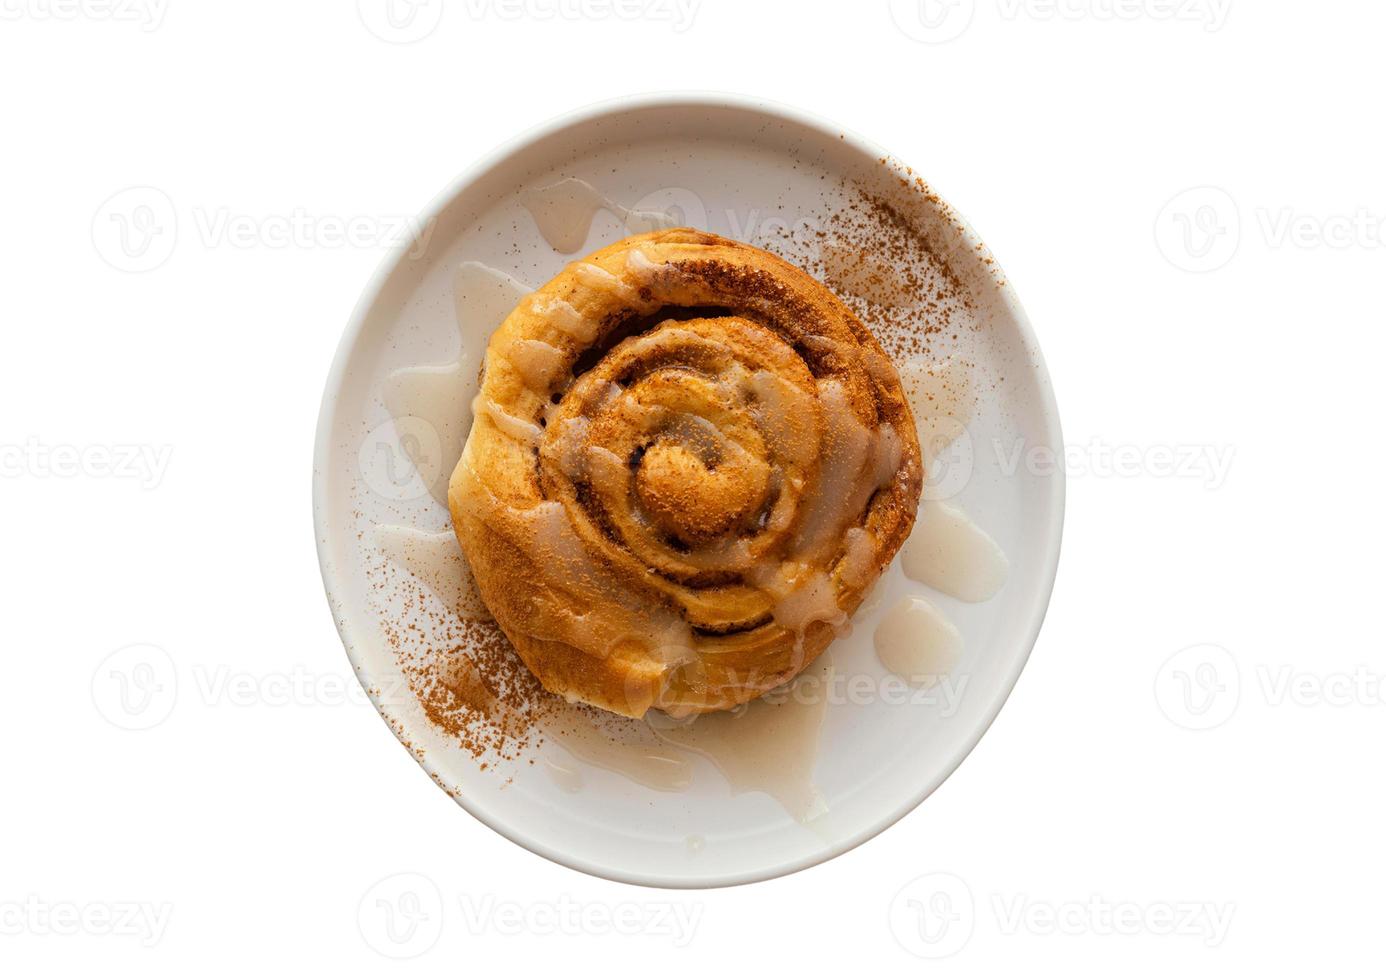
(689, 461)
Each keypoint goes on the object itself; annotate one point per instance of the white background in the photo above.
(1188, 197)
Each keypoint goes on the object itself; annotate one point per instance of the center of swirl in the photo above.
(684, 454)
(696, 496)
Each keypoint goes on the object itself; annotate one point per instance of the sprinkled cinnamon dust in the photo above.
(465, 674)
(896, 274)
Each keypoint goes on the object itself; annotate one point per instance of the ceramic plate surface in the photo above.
(862, 747)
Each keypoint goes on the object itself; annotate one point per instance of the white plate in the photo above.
(776, 178)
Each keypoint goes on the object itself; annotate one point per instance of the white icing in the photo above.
(950, 553)
(639, 263)
(886, 456)
(841, 493)
(598, 278)
(917, 643)
(563, 212)
(810, 601)
(799, 598)
(441, 395)
(858, 557)
(566, 445)
(769, 746)
(514, 427)
(565, 317)
(538, 363)
(786, 417)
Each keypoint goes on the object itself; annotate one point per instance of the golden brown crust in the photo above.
(689, 462)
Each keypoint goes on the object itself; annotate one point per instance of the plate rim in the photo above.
(370, 294)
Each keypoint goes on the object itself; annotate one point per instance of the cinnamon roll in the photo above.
(688, 463)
